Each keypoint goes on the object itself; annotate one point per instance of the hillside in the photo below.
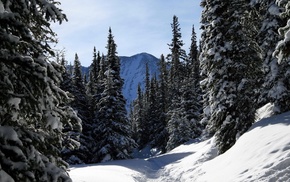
(261, 154)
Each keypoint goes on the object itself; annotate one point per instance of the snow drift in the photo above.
(261, 154)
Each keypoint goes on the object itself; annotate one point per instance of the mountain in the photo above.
(261, 154)
(133, 71)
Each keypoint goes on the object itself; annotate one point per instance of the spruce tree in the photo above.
(269, 22)
(33, 109)
(81, 106)
(146, 128)
(93, 73)
(175, 57)
(281, 93)
(230, 58)
(161, 133)
(114, 130)
(138, 118)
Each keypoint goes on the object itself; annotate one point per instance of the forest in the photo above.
(51, 115)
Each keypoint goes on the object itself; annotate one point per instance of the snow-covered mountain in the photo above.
(133, 71)
(261, 154)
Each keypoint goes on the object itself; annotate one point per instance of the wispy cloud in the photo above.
(138, 26)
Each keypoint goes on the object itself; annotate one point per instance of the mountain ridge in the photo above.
(133, 70)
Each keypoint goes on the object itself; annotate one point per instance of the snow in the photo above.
(8, 133)
(14, 102)
(53, 122)
(133, 72)
(261, 154)
(274, 10)
(4, 177)
(1, 7)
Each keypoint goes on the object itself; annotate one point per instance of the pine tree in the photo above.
(33, 109)
(269, 22)
(114, 130)
(66, 83)
(80, 104)
(194, 66)
(281, 89)
(230, 58)
(161, 133)
(145, 126)
(177, 54)
(153, 111)
(93, 74)
(138, 118)
(177, 129)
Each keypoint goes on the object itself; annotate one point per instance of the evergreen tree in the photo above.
(177, 54)
(183, 124)
(281, 90)
(161, 133)
(93, 74)
(33, 109)
(230, 58)
(66, 83)
(193, 66)
(138, 118)
(177, 128)
(80, 104)
(114, 130)
(192, 61)
(153, 112)
(145, 126)
(269, 22)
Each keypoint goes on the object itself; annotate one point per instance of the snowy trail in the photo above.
(141, 170)
(261, 154)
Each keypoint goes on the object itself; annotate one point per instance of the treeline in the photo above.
(99, 102)
(168, 112)
(242, 64)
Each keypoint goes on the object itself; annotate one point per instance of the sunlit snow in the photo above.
(261, 154)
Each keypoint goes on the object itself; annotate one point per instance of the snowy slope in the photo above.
(261, 154)
(133, 71)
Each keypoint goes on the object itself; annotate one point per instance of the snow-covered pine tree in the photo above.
(269, 22)
(177, 54)
(231, 59)
(80, 104)
(184, 114)
(114, 129)
(66, 83)
(190, 106)
(178, 128)
(161, 134)
(194, 67)
(93, 74)
(33, 109)
(138, 118)
(281, 90)
(145, 127)
(154, 112)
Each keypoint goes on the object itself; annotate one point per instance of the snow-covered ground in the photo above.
(261, 154)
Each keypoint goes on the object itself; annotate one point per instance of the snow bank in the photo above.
(261, 154)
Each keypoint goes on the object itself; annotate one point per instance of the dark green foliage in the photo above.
(80, 104)
(113, 130)
(231, 61)
(33, 109)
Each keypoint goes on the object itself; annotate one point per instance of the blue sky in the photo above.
(137, 25)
